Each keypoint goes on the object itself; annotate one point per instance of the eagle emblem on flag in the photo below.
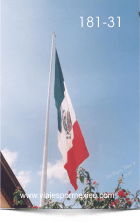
(67, 123)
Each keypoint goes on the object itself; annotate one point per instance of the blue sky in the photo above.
(101, 70)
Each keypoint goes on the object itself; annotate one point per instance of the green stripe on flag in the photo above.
(58, 88)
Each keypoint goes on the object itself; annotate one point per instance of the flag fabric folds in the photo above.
(71, 142)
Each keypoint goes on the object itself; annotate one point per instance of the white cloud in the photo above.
(24, 178)
(11, 157)
(57, 171)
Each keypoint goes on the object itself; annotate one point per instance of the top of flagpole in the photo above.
(54, 33)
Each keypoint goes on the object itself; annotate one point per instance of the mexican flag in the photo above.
(71, 142)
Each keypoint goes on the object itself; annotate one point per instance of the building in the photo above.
(8, 184)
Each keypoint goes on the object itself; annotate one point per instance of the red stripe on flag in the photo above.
(76, 155)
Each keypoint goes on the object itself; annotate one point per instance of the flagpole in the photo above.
(45, 154)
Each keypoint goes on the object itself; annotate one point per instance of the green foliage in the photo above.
(17, 201)
(91, 198)
(82, 179)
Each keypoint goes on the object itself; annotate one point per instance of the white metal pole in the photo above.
(45, 154)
